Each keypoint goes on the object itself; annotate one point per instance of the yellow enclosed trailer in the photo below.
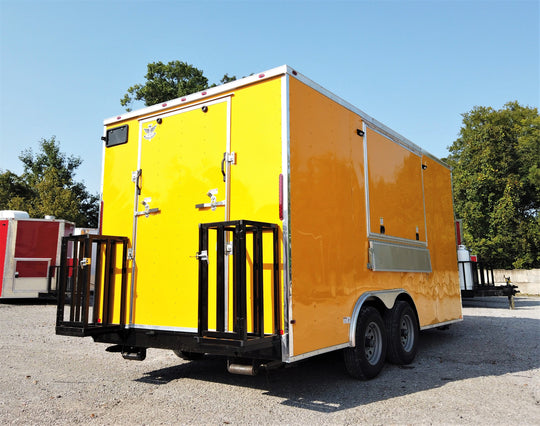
(265, 220)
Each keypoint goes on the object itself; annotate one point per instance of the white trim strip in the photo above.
(162, 328)
(287, 343)
(228, 180)
(34, 219)
(397, 240)
(32, 259)
(187, 108)
(205, 94)
(317, 352)
(366, 179)
(396, 137)
(284, 69)
(441, 324)
(386, 135)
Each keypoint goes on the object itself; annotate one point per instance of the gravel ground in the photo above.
(485, 369)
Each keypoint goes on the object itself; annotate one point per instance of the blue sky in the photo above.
(416, 66)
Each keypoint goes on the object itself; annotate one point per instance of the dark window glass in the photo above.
(117, 136)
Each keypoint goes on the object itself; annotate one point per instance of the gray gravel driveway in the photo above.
(485, 369)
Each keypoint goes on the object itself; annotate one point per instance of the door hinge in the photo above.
(230, 157)
(130, 253)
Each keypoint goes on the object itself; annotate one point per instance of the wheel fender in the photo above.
(387, 297)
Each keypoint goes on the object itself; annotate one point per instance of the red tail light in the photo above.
(280, 197)
(70, 264)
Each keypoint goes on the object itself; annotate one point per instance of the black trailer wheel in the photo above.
(189, 356)
(366, 359)
(403, 333)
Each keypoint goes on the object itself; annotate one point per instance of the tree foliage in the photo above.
(168, 81)
(496, 178)
(47, 186)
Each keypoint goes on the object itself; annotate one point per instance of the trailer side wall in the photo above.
(407, 205)
(442, 242)
(328, 239)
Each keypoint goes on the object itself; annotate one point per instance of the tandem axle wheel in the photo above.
(391, 337)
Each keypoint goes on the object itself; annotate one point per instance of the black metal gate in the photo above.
(478, 281)
(239, 336)
(86, 308)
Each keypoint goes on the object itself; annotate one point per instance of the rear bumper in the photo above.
(267, 348)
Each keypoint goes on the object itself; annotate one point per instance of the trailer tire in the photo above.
(366, 360)
(403, 332)
(189, 356)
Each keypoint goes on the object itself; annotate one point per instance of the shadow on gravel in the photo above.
(499, 302)
(478, 346)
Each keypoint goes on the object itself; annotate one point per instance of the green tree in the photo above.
(496, 178)
(12, 188)
(168, 81)
(47, 186)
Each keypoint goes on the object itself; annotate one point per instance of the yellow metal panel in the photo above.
(118, 189)
(328, 243)
(118, 197)
(180, 165)
(442, 240)
(395, 188)
(256, 139)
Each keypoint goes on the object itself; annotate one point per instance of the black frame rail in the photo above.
(239, 337)
(83, 311)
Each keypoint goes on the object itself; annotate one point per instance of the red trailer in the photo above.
(29, 253)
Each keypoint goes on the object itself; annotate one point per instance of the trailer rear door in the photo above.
(184, 163)
(36, 247)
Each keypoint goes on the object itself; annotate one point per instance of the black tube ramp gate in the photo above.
(241, 335)
(479, 281)
(92, 285)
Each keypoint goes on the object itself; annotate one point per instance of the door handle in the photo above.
(213, 201)
(223, 167)
(229, 158)
(136, 179)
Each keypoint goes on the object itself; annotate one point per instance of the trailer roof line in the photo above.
(199, 95)
(281, 70)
